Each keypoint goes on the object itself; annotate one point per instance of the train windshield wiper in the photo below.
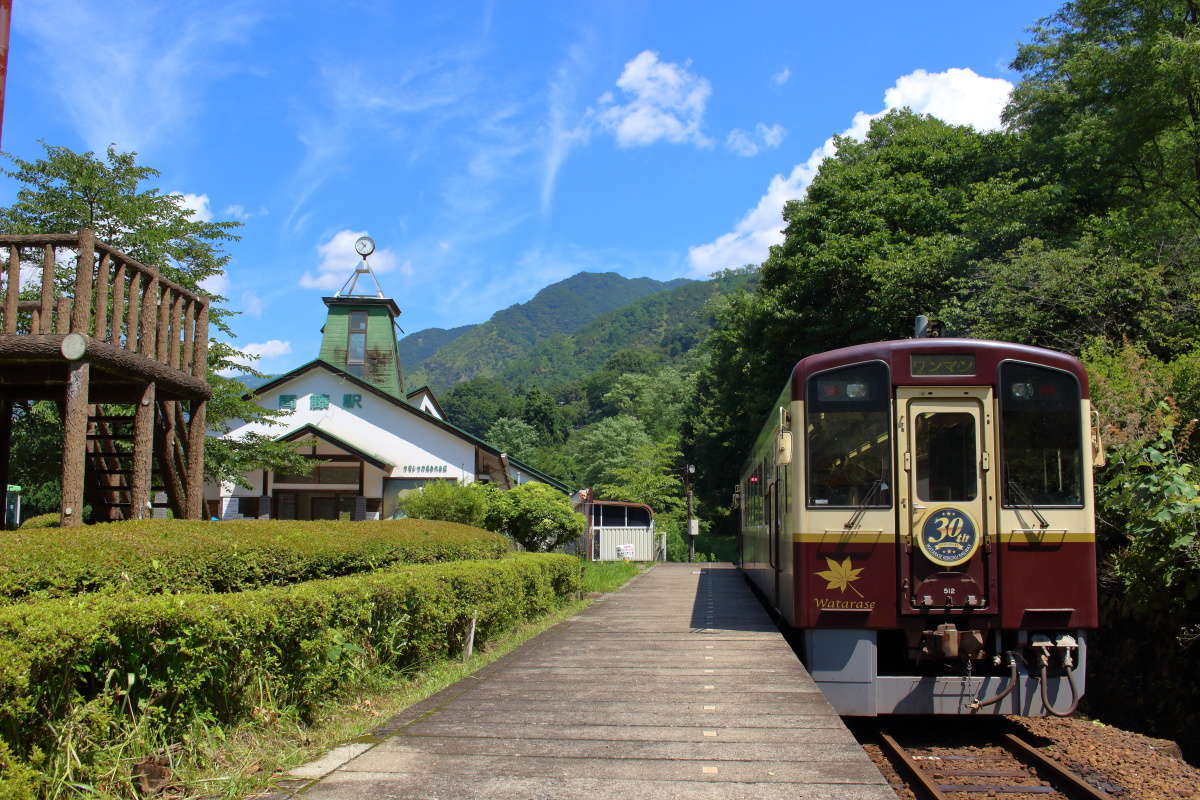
(1024, 502)
(863, 505)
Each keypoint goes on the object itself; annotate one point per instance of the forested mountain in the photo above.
(669, 323)
(487, 348)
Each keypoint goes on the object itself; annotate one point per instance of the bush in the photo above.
(96, 670)
(182, 555)
(450, 501)
(537, 517)
(41, 521)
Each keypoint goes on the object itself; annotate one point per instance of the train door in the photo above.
(772, 512)
(945, 519)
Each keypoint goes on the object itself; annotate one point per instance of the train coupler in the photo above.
(947, 641)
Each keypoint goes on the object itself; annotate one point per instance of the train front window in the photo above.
(1041, 437)
(945, 450)
(849, 438)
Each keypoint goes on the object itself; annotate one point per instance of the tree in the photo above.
(451, 501)
(1111, 95)
(606, 445)
(541, 412)
(648, 476)
(475, 404)
(515, 437)
(66, 191)
(536, 516)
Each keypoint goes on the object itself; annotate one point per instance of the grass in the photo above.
(608, 576)
(232, 763)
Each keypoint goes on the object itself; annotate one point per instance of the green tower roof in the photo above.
(360, 338)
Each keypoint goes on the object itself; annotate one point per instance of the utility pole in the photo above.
(688, 472)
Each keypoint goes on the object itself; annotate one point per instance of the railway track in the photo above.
(999, 765)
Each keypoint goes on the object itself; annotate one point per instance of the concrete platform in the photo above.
(678, 686)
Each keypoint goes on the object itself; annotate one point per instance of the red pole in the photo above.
(5, 18)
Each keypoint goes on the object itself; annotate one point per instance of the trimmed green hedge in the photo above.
(152, 556)
(96, 668)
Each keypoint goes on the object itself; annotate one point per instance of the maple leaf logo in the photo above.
(841, 576)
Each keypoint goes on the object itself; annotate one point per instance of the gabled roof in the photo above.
(317, 363)
(327, 437)
(432, 398)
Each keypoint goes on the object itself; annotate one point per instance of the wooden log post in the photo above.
(132, 319)
(143, 447)
(101, 326)
(195, 456)
(5, 451)
(118, 305)
(84, 279)
(149, 319)
(75, 418)
(12, 289)
(47, 310)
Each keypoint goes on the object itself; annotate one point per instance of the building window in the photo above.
(318, 402)
(356, 345)
(352, 401)
(287, 401)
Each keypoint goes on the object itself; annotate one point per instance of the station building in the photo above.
(349, 411)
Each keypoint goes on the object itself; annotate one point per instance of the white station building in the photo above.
(372, 441)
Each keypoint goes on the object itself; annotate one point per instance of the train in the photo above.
(919, 514)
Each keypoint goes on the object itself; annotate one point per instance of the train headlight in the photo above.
(1022, 391)
(856, 391)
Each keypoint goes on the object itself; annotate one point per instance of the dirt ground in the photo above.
(1124, 764)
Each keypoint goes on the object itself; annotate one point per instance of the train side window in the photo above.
(848, 427)
(1041, 437)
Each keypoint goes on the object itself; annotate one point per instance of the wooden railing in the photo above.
(112, 298)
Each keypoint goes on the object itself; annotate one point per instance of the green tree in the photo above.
(475, 404)
(66, 191)
(536, 516)
(606, 445)
(660, 400)
(540, 412)
(648, 475)
(451, 501)
(515, 437)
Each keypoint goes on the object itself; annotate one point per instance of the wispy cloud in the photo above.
(781, 77)
(259, 351)
(131, 73)
(664, 101)
(958, 96)
(765, 137)
(563, 133)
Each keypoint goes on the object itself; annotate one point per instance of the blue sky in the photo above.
(489, 148)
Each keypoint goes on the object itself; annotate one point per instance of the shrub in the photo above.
(41, 521)
(537, 517)
(182, 555)
(96, 668)
(450, 501)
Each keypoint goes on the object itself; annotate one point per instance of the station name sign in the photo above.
(425, 468)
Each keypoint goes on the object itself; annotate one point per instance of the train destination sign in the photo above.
(949, 364)
(948, 537)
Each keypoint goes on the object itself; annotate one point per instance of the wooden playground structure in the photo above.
(123, 352)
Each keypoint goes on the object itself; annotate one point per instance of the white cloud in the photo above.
(241, 213)
(562, 135)
(252, 304)
(131, 74)
(781, 77)
(665, 102)
(259, 351)
(198, 204)
(958, 96)
(745, 144)
(216, 284)
(339, 260)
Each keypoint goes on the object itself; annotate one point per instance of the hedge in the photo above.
(94, 668)
(152, 556)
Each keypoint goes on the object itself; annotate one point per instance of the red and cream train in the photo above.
(920, 513)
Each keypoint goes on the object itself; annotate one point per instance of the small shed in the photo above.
(613, 527)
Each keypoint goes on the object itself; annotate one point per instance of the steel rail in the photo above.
(1026, 752)
(923, 779)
